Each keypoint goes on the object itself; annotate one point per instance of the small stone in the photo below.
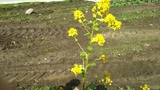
(75, 88)
(29, 11)
(151, 24)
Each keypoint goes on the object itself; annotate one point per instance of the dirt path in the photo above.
(35, 49)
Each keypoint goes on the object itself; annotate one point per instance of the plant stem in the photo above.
(95, 60)
(83, 82)
(85, 28)
(87, 60)
(79, 44)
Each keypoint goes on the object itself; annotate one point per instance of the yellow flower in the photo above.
(118, 24)
(101, 8)
(110, 19)
(77, 69)
(108, 79)
(106, 75)
(94, 15)
(103, 57)
(94, 39)
(72, 32)
(78, 15)
(99, 38)
(112, 22)
(99, 14)
(102, 80)
(94, 9)
(145, 87)
(61, 88)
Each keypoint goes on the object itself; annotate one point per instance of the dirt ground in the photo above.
(35, 49)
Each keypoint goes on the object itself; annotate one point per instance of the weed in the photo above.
(118, 3)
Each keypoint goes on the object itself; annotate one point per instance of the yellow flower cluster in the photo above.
(99, 38)
(77, 69)
(145, 87)
(108, 79)
(101, 8)
(78, 15)
(112, 22)
(103, 57)
(72, 32)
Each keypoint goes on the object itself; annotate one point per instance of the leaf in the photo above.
(93, 64)
(96, 28)
(83, 73)
(90, 48)
(91, 86)
(84, 54)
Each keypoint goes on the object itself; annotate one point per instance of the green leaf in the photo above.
(90, 48)
(96, 28)
(83, 73)
(93, 64)
(84, 54)
(91, 86)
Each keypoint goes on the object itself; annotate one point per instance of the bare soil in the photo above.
(35, 49)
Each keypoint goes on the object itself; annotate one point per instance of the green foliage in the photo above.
(91, 86)
(92, 64)
(139, 14)
(84, 54)
(10, 6)
(72, 0)
(118, 3)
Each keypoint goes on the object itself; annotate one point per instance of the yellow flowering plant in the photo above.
(100, 14)
(145, 87)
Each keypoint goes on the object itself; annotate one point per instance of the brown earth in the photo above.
(35, 49)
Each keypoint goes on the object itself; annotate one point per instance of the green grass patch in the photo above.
(138, 15)
(118, 3)
(10, 6)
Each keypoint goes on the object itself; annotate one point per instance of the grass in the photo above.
(20, 16)
(11, 6)
(118, 3)
(138, 15)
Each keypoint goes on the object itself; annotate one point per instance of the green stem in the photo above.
(84, 78)
(85, 28)
(87, 60)
(83, 82)
(96, 60)
(79, 44)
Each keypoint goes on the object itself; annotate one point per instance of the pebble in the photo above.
(75, 88)
(29, 11)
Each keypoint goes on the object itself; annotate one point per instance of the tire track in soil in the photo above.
(50, 75)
